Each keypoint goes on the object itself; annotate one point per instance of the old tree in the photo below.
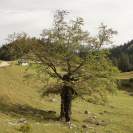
(76, 61)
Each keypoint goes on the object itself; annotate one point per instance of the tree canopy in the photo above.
(69, 60)
(70, 54)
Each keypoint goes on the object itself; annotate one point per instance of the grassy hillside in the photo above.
(20, 98)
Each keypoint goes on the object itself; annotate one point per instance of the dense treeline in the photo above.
(122, 56)
(19, 44)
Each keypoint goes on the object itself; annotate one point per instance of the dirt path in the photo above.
(4, 64)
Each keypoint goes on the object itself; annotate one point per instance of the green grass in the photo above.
(20, 98)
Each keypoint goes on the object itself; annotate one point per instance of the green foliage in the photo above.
(18, 46)
(72, 56)
(100, 74)
(122, 56)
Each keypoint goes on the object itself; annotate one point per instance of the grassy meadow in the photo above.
(20, 99)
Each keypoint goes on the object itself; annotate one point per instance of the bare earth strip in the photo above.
(4, 64)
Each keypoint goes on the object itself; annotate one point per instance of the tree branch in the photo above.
(46, 61)
(78, 67)
(68, 66)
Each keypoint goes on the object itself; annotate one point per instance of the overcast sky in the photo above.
(31, 16)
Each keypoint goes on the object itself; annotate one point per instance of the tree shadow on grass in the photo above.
(28, 112)
(127, 85)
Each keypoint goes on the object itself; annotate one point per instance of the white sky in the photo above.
(32, 16)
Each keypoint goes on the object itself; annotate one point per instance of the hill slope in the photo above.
(20, 98)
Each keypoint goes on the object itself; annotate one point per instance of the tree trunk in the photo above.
(66, 101)
(62, 113)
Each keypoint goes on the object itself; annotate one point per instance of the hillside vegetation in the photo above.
(20, 98)
(122, 56)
